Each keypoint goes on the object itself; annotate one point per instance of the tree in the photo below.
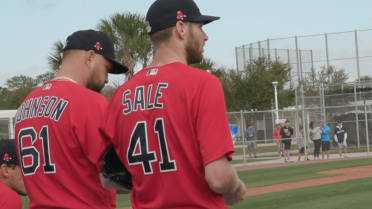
(205, 64)
(18, 87)
(252, 88)
(131, 41)
(326, 77)
(260, 74)
(55, 58)
(365, 78)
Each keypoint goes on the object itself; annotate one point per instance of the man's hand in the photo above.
(238, 195)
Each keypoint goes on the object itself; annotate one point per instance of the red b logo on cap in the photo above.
(98, 46)
(180, 15)
(7, 158)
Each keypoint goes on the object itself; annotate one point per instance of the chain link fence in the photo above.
(350, 103)
(349, 50)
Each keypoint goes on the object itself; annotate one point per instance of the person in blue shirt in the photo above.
(326, 143)
(250, 135)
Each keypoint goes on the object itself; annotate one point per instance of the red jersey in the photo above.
(277, 134)
(167, 123)
(9, 199)
(58, 144)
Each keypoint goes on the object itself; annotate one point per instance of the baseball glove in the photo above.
(114, 170)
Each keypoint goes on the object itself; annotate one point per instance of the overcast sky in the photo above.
(30, 27)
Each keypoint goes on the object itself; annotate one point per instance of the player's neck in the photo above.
(72, 75)
(166, 54)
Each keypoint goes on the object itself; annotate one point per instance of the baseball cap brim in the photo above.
(117, 68)
(203, 18)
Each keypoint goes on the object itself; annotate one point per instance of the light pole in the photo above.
(275, 84)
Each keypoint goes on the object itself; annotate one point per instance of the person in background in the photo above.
(278, 139)
(340, 138)
(11, 182)
(326, 142)
(287, 133)
(302, 145)
(250, 135)
(315, 136)
(234, 132)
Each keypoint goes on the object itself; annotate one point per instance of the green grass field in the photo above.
(354, 194)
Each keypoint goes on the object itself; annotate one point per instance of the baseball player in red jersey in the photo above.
(169, 123)
(57, 128)
(11, 182)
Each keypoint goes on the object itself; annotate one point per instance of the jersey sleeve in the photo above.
(212, 124)
(87, 126)
(109, 121)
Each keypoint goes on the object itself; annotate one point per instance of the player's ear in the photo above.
(181, 29)
(89, 59)
(4, 171)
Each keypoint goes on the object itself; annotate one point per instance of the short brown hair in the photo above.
(161, 36)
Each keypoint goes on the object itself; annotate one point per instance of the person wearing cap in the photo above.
(176, 142)
(340, 138)
(57, 128)
(287, 133)
(11, 182)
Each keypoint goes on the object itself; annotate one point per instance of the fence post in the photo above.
(242, 132)
(327, 53)
(268, 48)
(296, 116)
(369, 107)
(356, 115)
(366, 121)
(237, 59)
(357, 53)
(264, 122)
(276, 54)
(11, 128)
(250, 53)
(323, 104)
(290, 69)
(297, 60)
(303, 115)
(312, 60)
(244, 57)
(259, 48)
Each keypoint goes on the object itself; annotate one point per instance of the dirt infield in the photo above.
(343, 174)
(276, 165)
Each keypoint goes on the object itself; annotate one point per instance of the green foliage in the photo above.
(326, 77)
(205, 64)
(252, 89)
(365, 78)
(108, 91)
(55, 58)
(131, 41)
(260, 75)
(18, 87)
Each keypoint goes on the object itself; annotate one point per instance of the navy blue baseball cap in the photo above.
(8, 153)
(164, 14)
(97, 41)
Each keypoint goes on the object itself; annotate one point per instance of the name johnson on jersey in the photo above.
(48, 107)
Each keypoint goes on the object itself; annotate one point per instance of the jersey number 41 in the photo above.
(145, 157)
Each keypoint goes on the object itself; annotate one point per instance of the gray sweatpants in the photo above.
(252, 145)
